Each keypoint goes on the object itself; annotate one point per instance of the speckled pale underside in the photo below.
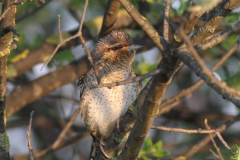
(102, 107)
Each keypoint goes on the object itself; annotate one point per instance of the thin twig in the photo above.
(110, 17)
(143, 22)
(188, 131)
(79, 34)
(65, 142)
(206, 140)
(29, 137)
(215, 154)
(174, 101)
(218, 38)
(64, 131)
(59, 28)
(205, 70)
(83, 43)
(214, 143)
(166, 25)
(56, 49)
(131, 80)
(224, 142)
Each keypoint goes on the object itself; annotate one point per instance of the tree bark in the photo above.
(8, 20)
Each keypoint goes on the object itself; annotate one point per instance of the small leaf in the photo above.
(148, 144)
(64, 56)
(231, 18)
(143, 68)
(158, 146)
(141, 153)
(145, 158)
(181, 158)
(237, 155)
(161, 153)
(38, 40)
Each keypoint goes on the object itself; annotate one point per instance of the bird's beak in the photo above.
(134, 47)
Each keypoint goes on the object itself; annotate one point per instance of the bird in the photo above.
(102, 108)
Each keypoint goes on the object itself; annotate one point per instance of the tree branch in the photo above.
(167, 105)
(166, 25)
(219, 37)
(45, 84)
(230, 93)
(7, 20)
(110, 17)
(203, 142)
(216, 17)
(143, 22)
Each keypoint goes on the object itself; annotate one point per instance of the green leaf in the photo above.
(145, 158)
(234, 81)
(160, 154)
(233, 17)
(148, 144)
(237, 155)
(228, 43)
(143, 68)
(142, 153)
(158, 145)
(38, 40)
(64, 56)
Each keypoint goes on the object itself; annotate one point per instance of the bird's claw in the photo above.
(105, 154)
(101, 148)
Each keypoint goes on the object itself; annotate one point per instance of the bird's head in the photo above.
(116, 48)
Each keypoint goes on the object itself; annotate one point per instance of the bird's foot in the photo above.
(101, 148)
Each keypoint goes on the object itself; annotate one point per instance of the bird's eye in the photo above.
(118, 47)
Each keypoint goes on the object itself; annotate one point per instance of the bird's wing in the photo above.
(82, 81)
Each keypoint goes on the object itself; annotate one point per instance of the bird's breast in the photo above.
(102, 107)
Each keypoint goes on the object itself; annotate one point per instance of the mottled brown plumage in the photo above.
(102, 107)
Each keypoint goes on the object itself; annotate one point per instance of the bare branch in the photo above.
(214, 143)
(29, 137)
(188, 131)
(59, 28)
(214, 20)
(219, 37)
(166, 25)
(225, 143)
(63, 143)
(110, 17)
(83, 42)
(64, 131)
(205, 71)
(143, 22)
(39, 87)
(214, 153)
(203, 142)
(131, 80)
(172, 102)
